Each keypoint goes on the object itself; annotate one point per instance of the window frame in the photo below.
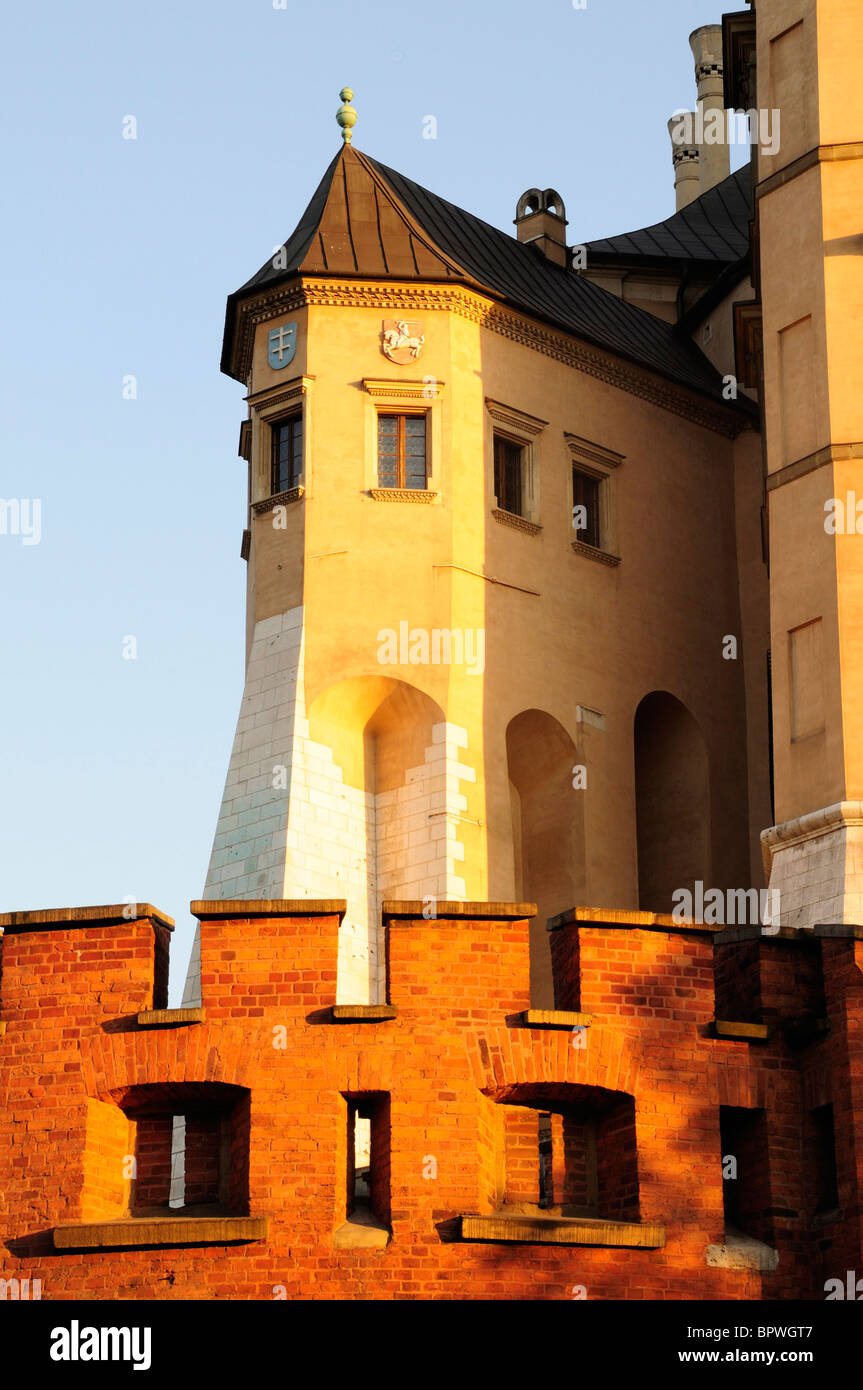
(268, 408)
(592, 533)
(517, 428)
(293, 417)
(402, 483)
(502, 494)
(597, 462)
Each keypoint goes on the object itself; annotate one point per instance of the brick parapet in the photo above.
(466, 1079)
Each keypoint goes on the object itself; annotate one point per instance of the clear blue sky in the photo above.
(117, 257)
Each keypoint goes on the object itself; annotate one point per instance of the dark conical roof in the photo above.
(366, 220)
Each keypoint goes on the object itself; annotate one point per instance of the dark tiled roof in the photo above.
(368, 220)
(713, 229)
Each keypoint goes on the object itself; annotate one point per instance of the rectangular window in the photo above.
(287, 453)
(585, 507)
(508, 469)
(368, 1146)
(402, 454)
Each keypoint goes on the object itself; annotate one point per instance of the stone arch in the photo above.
(547, 830)
(672, 801)
(380, 749)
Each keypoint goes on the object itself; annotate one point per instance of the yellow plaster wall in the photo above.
(588, 634)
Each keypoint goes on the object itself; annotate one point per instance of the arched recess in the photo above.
(381, 733)
(374, 811)
(672, 801)
(547, 831)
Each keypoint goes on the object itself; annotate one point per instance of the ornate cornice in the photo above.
(278, 499)
(402, 494)
(498, 318)
(518, 523)
(592, 552)
(415, 390)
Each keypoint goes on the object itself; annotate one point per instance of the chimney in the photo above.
(715, 157)
(541, 218)
(685, 158)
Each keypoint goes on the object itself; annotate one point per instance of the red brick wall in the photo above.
(452, 1062)
(203, 1158)
(153, 1160)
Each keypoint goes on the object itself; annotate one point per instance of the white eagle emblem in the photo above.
(403, 340)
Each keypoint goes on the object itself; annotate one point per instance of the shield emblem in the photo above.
(402, 340)
(282, 345)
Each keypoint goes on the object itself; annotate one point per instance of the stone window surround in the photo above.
(406, 396)
(267, 408)
(601, 463)
(524, 430)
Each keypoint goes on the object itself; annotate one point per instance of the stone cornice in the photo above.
(588, 452)
(518, 523)
(819, 154)
(402, 494)
(278, 499)
(514, 419)
(831, 453)
(593, 552)
(498, 318)
(414, 390)
(284, 392)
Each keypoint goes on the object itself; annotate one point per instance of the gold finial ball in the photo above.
(346, 115)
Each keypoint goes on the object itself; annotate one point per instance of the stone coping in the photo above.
(850, 931)
(624, 919)
(495, 912)
(54, 918)
(814, 823)
(160, 1230)
(563, 1230)
(212, 909)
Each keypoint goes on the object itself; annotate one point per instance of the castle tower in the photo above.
(447, 570)
(809, 196)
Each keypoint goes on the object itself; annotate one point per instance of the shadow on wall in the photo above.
(672, 799)
(548, 832)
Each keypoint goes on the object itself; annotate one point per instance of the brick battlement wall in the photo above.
(571, 1153)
